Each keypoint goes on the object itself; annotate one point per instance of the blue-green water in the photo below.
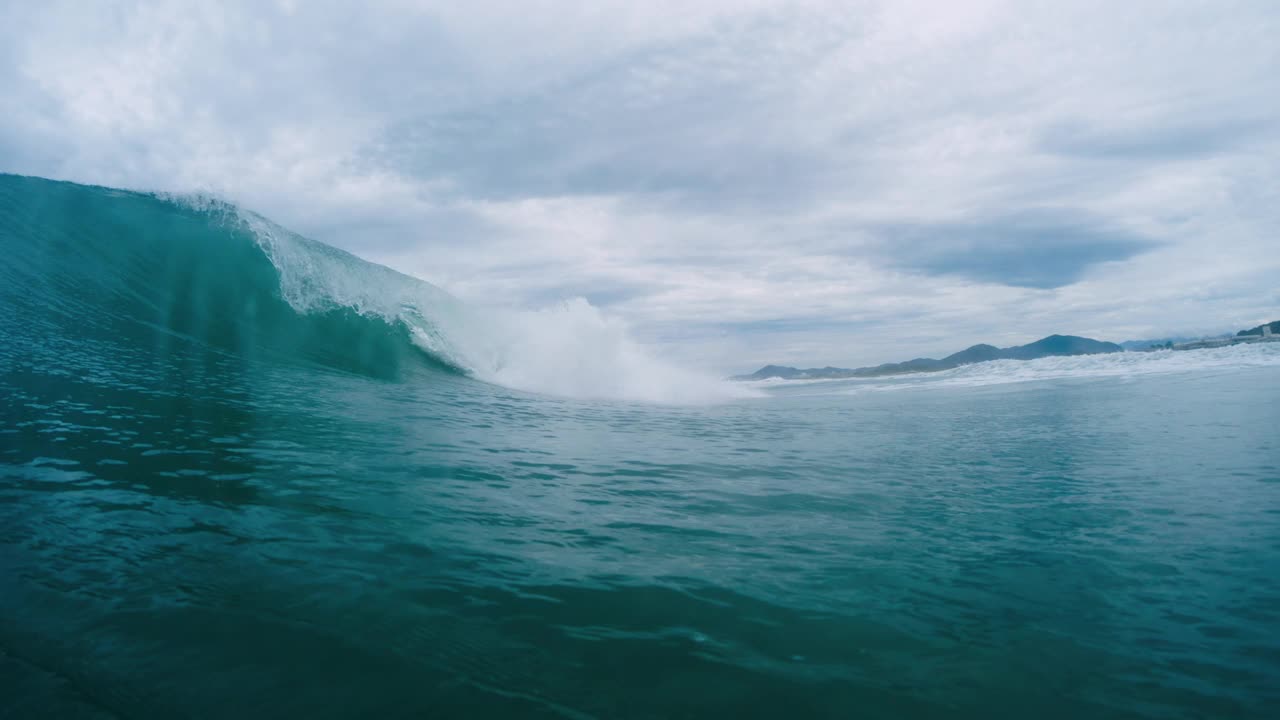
(231, 485)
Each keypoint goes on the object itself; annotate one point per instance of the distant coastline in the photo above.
(1051, 346)
(1268, 332)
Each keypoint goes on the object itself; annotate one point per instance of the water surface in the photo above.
(218, 503)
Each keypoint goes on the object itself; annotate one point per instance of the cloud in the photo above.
(1088, 140)
(1038, 249)
(741, 182)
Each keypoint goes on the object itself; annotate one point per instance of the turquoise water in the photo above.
(236, 481)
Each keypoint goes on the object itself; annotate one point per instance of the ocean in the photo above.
(244, 474)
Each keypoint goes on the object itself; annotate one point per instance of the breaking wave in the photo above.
(86, 260)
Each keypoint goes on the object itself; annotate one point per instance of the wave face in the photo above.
(156, 270)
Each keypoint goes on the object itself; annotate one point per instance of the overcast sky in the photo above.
(742, 182)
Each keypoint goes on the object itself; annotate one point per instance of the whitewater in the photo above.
(246, 474)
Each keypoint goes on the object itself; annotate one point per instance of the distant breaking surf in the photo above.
(1002, 372)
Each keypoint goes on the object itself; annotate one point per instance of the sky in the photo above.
(740, 183)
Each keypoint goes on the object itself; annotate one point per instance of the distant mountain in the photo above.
(1273, 326)
(1054, 345)
(1059, 345)
(975, 354)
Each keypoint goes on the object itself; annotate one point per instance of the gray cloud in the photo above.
(690, 123)
(1035, 249)
(1093, 140)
